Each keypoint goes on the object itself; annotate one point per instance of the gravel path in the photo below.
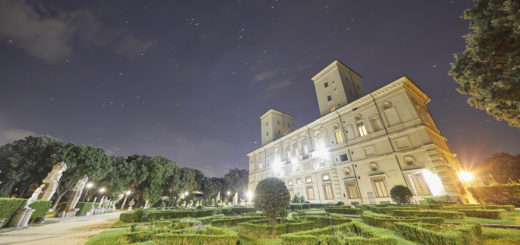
(55, 231)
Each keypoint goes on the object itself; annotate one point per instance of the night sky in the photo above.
(188, 80)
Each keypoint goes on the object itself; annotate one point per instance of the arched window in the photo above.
(305, 146)
(339, 135)
(319, 138)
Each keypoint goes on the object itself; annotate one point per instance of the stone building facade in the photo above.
(360, 147)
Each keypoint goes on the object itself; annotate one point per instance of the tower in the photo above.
(336, 85)
(275, 124)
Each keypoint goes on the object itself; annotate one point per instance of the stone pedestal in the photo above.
(21, 218)
(71, 210)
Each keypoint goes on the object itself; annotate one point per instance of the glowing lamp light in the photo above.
(434, 182)
(249, 195)
(90, 185)
(128, 192)
(294, 160)
(465, 176)
(102, 190)
(277, 166)
(186, 193)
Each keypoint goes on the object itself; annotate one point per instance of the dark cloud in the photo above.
(52, 34)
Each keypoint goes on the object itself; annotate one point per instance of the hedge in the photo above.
(388, 221)
(8, 207)
(485, 213)
(216, 236)
(461, 235)
(363, 235)
(509, 208)
(131, 217)
(40, 209)
(343, 210)
(429, 213)
(233, 221)
(263, 230)
(505, 194)
(83, 207)
(138, 236)
(390, 209)
(323, 221)
(237, 210)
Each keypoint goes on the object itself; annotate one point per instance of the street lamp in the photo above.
(89, 185)
(465, 176)
(186, 193)
(102, 190)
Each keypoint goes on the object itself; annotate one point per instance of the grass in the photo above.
(390, 233)
(108, 237)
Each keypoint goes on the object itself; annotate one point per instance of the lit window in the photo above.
(289, 183)
(352, 189)
(339, 135)
(329, 98)
(310, 193)
(308, 180)
(419, 185)
(326, 84)
(325, 177)
(380, 188)
(327, 190)
(343, 157)
(299, 180)
(361, 129)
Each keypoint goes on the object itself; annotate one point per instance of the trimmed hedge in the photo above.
(388, 221)
(509, 208)
(429, 213)
(83, 207)
(390, 209)
(357, 234)
(40, 209)
(237, 210)
(461, 235)
(138, 236)
(323, 221)
(263, 230)
(233, 221)
(216, 236)
(145, 215)
(344, 210)
(8, 207)
(485, 213)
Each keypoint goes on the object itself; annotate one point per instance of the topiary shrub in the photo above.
(401, 194)
(340, 203)
(272, 197)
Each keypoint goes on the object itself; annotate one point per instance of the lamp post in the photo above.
(124, 201)
(89, 185)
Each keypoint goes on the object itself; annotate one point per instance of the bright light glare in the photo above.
(321, 152)
(128, 192)
(89, 185)
(249, 195)
(186, 193)
(102, 189)
(434, 182)
(294, 160)
(277, 166)
(465, 176)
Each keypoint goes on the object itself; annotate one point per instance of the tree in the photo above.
(117, 181)
(401, 194)
(501, 168)
(272, 197)
(236, 180)
(489, 69)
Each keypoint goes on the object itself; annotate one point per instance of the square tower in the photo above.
(274, 125)
(337, 85)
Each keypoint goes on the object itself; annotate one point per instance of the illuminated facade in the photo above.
(360, 147)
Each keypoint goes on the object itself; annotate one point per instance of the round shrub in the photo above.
(272, 197)
(340, 203)
(401, 194)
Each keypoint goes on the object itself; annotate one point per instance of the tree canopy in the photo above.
(500, 168)
(489, 69)
(272, 197)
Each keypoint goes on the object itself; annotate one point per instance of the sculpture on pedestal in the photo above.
(50, 183)
(92, 208)
(235, 198)
(23, 215)
(131, 204)
(70, 209)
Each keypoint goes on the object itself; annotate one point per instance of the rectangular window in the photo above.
(343, 157)
(329, 98)
(299, 180)
(325, 177)
(308, 180)
(310, 193)
(327, 190)
(326, 84)
(339, 136)
(419, 186)
(352, 189)
(361, 129)
(380, 188)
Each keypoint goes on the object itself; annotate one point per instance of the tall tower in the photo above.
(275, 124)
(337, 85)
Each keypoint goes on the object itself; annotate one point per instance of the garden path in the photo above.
(54, 231)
